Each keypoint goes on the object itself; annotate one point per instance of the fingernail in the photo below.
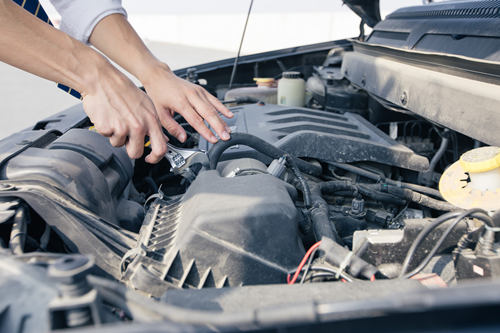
(182, 137)
(213, 139)
(228, 129)
(231, 114)
(225, 135)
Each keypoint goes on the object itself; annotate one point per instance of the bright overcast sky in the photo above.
(232, 6)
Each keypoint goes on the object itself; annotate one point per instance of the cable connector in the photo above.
(277, 167)
(338, 256)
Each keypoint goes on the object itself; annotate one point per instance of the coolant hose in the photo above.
(418, 198)
(378, 178)
(322, 227)
(261, 146)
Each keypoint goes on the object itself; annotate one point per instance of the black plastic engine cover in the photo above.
(81, 163)
(317, 134)
(222, 232)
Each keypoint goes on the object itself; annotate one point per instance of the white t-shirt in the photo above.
(79, 17)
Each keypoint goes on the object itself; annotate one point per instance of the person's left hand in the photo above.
(171, 94)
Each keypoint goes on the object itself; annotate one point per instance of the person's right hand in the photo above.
(124, 113)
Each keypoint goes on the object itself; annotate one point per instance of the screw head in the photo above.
(404, 98)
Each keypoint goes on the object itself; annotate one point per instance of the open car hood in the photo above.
(368, 10)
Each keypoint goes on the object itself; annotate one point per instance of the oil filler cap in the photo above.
(474, 180)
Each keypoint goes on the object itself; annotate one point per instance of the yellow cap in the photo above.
(482, 159)
(263, 79)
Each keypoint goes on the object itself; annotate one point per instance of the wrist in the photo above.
(151, 73)
(94, 68)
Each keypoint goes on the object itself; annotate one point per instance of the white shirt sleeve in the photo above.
(79, 17)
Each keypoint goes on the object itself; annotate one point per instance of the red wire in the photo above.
(372, 278)
(302, 263)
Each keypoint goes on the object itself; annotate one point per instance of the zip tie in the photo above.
(494, 229)
(344, 264)
(131, 254)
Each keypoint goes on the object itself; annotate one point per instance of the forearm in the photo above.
(116, 38)
(36, 47)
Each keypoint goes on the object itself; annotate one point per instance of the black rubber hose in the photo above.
(437, 157)
(332, 187)
(261, 146)
(380, 196)
(419, 188)
(306, 191)
(375, 177)
(322, 227)
(419, 198)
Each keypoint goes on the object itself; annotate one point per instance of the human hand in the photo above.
(124, 113)
(171, 94)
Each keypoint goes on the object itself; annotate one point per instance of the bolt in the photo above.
(404, 98)
(71, 273)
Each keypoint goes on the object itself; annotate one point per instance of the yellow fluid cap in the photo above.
(482, 159)
(263, 79)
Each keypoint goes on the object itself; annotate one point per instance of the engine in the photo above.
(351, 185)
(246, 211)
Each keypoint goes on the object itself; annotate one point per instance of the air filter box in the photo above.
(222, 232)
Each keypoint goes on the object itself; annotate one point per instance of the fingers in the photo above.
(119, 136)
(158, 143)
(135, 144)
(194, 119)
(171, 125)
(218, 105)
(209, 113)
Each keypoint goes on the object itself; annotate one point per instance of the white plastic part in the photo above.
(291, 89)
(485, 181)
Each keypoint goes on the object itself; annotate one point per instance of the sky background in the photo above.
(236, 6)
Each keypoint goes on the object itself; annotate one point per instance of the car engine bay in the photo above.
(349, 196)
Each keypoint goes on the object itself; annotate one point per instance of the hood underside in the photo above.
(368, 10)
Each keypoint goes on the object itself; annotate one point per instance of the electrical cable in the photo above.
(306, 191)
(308, 266)
(235, 65)
(302, 263)
(436, 247)
(330, 271)
(475, 212)
(438, 221)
